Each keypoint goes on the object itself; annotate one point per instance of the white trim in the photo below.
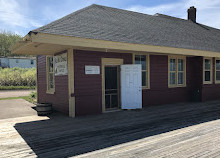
(211, 70)
(52, 90)
(176, 71)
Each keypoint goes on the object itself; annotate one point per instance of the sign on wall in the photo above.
(92, 69)
(60, 64)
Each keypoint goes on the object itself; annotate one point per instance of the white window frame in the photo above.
(50, 90)
(176, 71)
(147, 69)
(211, 71)
(216, 81)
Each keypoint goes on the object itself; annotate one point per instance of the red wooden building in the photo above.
(79, 58)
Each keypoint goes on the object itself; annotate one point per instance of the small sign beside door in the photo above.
(92, 70)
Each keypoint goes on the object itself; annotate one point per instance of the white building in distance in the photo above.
(21, 62)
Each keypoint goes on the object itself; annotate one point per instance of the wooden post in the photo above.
(71, 83)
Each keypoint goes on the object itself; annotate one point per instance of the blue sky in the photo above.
(21, 16)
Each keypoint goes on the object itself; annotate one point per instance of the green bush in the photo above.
(18, 77)
(33, 95)
(16, 87)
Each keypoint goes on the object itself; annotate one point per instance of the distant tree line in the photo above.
(7, 39)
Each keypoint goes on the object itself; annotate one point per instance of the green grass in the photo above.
(16, 87)
(31, 98)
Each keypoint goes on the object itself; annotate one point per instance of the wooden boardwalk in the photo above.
(177, 130)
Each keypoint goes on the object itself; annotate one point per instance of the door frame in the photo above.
(108, 62)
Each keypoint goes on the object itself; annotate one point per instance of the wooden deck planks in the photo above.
(177, 130)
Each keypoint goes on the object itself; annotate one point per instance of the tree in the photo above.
(7, 39)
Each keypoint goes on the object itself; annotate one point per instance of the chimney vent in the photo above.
(192, 14)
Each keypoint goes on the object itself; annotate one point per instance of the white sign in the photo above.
(92, 69)
(60, 64)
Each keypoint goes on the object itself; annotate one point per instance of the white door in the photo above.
(131, 86)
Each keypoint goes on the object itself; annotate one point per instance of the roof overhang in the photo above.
(48, 44)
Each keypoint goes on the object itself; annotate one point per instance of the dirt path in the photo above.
(14, 93)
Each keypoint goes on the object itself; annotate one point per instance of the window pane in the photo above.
(180, 77)
(51, 81)
(180, 64)
(217, 64)
(172, 78)
(207, 76)
(144, 79)
(137, 59)
(141, 59)
(143, 62)
(207, 64)
(50, 64)
(172, 64)
(218, 75)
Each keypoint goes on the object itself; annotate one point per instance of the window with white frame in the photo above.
(177, 71)
(217, 70)
(144, 61)
(207, 70)
(50, 74)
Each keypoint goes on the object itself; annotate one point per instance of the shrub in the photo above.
(17, 77)
(16, 87)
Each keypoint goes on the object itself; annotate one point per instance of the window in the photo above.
(207, 70)
(32, 62)
(217, 71)
(176, 71)
(144, 61)
(50, 75)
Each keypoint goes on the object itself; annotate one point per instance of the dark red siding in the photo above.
(194, 78)
(59, 99)
(88, 88)
(159, 93)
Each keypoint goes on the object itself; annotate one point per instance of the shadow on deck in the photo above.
(61, 136)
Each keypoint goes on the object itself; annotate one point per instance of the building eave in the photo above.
(47, 44)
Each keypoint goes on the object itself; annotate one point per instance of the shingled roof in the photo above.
(111, 24)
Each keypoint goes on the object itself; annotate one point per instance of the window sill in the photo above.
(50, 91)
(217, 82)
(208, 83)
(145, 88)
(177, 86)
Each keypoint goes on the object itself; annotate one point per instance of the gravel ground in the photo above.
(14, 93)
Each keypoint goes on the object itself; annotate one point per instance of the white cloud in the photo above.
(208, 12)
(22, 16)
(70, 6)
(15, 15)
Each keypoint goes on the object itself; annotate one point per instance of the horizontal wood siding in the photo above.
(88, 88)
(195, 78)
(159, 93)
(211, 91)
(59, 99)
